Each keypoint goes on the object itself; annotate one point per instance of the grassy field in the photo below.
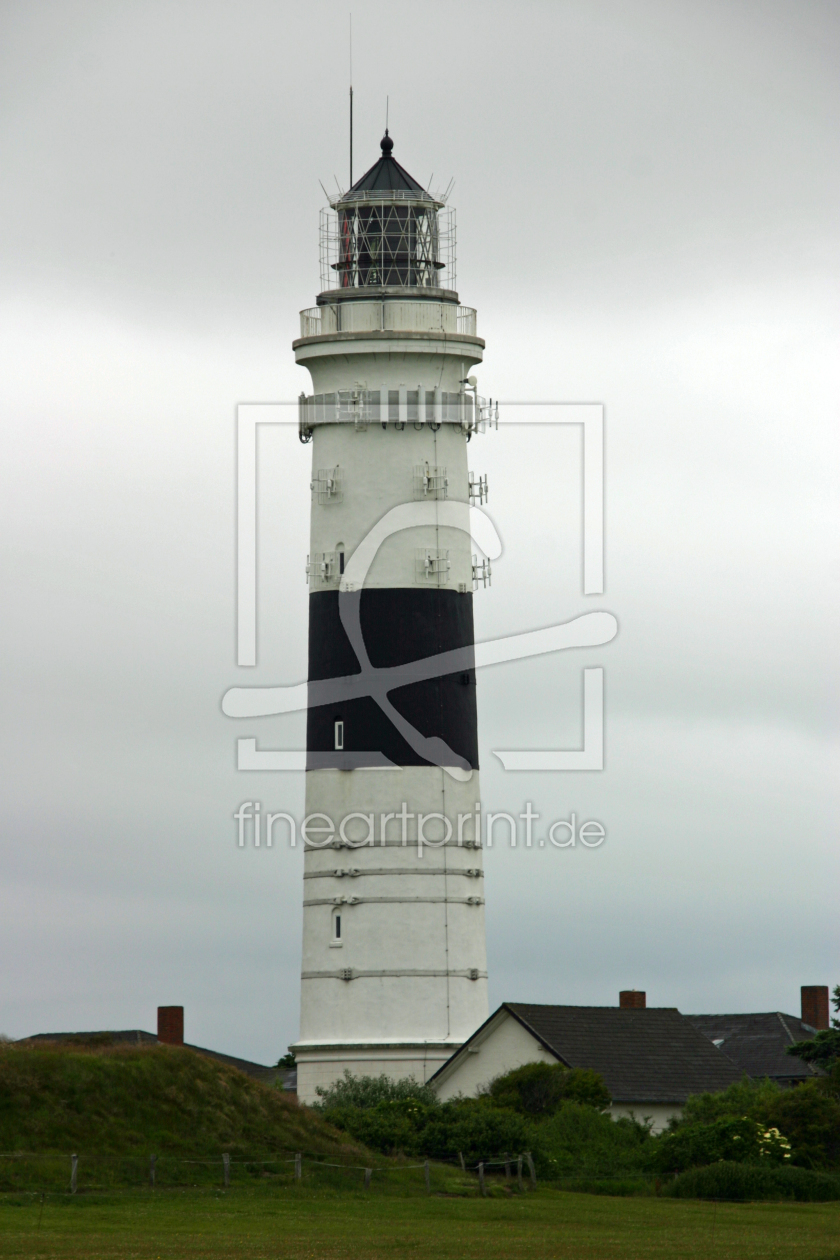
(302, 1224)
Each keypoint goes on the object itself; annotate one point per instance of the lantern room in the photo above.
(387, 231)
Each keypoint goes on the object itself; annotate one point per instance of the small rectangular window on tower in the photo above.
(335, 929)
(339, 735)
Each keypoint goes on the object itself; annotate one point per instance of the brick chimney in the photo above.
(171, 1025)
(635, 999)
(815, 1005)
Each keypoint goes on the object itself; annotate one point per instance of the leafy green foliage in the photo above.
(368, 1091)
(731, 1139)
(744, 1098)
(824, 1049)
(808, 1115)
(550, 1111)
(539, 1089)
(736, 1181)
(578, 1139)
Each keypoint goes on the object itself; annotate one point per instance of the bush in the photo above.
(807, 1114)
(409, 1127)
(478, 1132)
(578, 1140)
(739, 1140)
(386, 1128)
(749, 1181)
(369, 1091)
(744, 1098)
(539, 1089)
(554, 1113)
(810, 1117)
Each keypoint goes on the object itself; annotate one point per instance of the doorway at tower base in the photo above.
(322, 1064)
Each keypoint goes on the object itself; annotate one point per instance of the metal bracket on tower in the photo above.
(304, 428)
(359, 408)
(430, 482)
(481, 573)
(479, 492)
(432, 566)
(328, 486)
(322, 568)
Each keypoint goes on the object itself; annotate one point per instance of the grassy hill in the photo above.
(164, 1099)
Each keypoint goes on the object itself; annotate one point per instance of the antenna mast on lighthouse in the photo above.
(351, 100)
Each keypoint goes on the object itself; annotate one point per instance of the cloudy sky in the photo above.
(647, 198)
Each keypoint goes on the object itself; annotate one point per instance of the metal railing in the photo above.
(387, 196)
(388, 316)
(466, 321)
(310, 322)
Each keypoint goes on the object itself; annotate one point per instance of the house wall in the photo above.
(504, 1046)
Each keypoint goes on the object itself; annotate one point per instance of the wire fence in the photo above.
(32, 1173)
(34, 1177)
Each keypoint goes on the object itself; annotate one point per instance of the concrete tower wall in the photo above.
(394, 973)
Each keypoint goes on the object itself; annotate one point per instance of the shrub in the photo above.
(807, 1114)
(409, 1127)
(749, 1181)
(741, 1140)
(810, 1117)
(479, 1133)
(578, 1140)
(369, 1091)
(744, 1098)
(538, 1089)
(383, 1127)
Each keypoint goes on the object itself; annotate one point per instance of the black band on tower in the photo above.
(399, 625)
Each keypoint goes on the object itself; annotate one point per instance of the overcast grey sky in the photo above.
(647, 198)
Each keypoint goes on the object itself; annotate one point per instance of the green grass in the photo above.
(166, 1100)
(299, 1223)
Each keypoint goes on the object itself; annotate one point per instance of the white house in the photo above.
(651, 1060)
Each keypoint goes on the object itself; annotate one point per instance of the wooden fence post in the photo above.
(152, 1162)
(463, 1165)
(368, 1173)
(481, 1184)
(519, 1172)
(298, 1167)
(427, 1177)
(74, 1166)
(531, 1169)
(226, 1168)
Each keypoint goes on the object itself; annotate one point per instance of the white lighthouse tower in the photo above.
(394, 973)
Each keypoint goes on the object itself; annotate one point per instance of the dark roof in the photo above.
(651, 1055)
(756, 1042)
(136, 1036)
(386, 175)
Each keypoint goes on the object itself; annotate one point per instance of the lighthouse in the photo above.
(394, 970)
